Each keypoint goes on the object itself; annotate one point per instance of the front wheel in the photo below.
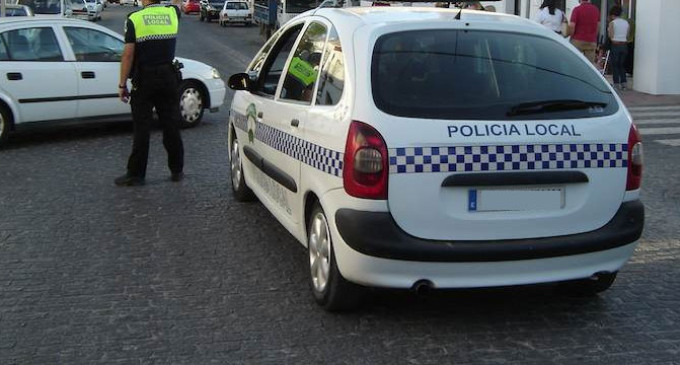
(4, 125)
(191, 103)
(331, 291)
(239, 188)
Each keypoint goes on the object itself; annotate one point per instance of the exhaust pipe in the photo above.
(422, 287)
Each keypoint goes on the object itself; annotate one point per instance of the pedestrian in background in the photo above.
(551, 17)
(150, 38)
(618, 30)
(583, 25)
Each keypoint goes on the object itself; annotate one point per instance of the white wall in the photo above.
(657, 48)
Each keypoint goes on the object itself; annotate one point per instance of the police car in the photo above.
(406, 148)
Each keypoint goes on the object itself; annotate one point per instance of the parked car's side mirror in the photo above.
(240, 81)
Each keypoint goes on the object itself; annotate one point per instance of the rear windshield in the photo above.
(483, 75)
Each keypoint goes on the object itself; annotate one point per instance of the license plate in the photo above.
(516, 199)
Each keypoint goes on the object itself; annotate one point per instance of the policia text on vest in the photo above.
(150, 38)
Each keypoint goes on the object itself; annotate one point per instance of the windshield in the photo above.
(43, 6)
(484, 75)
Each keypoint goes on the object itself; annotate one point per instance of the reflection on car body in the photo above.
(408, 149)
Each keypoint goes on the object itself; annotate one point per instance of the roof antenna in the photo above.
(460, 6)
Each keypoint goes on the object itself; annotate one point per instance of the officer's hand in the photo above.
(123, 94)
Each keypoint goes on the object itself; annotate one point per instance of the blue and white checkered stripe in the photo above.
(319, 157)
(507, 158)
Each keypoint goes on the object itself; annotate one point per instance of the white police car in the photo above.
(409, 149)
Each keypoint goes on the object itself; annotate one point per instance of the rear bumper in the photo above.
(376, 234)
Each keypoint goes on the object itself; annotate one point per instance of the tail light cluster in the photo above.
(634, 179)
(365, 168)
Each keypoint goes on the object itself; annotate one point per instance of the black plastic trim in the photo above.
(376, 234)
(516, 178)
(270, 169)
(67, 98)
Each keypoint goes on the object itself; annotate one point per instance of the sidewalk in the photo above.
(634, 98)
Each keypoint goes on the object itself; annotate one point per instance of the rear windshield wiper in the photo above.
(547, 106)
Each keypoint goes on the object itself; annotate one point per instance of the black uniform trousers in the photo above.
(155, 87)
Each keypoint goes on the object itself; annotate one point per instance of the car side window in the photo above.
(32, 44)
(91, 45)
(273, 67)
(303, 70)
(4, 56)
(332, 78)
(258, 62)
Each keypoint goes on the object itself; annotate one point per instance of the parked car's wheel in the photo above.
(200, 17)
(331, 291)
(5, 124)
(191, 103)
(591, 286)
(223, 23)
(239, 188)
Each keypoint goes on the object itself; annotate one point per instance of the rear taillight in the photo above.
(364, 172)
(634, 179)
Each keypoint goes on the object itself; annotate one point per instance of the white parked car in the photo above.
(129, 2)
(408, 149)
(67, 69)
(236, 12)
(95, 9)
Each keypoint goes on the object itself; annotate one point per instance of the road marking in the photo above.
(655, 121)
(655, 131)
(654, 108)
(669, 142)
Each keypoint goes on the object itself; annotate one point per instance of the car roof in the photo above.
(355, 17)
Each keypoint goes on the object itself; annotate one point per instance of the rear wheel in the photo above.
(331, 291)
(191, 103)
(5, 125)
(200, 17)
(239, 188)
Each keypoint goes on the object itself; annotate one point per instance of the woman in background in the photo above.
(618, 34)
(551, 17)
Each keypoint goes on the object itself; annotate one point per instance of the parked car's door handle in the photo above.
(87, 74)
(295, 122)
(14, 76)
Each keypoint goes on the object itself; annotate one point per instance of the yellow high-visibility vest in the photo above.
(155, 23)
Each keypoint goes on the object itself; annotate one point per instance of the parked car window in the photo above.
(480, 75)
(236, 6)
(91, 45)
(303, 70)
(332, 78)
(32, 44)
(43, 6)
(273, 69)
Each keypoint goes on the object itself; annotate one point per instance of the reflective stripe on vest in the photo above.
(154, 23)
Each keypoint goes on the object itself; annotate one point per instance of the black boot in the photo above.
(127, 180)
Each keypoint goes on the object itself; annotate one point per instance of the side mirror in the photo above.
(240, 81)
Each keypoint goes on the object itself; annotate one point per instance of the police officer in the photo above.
(150, 36)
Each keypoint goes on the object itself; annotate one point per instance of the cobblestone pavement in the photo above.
(181, 273)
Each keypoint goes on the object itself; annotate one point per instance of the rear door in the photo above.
(35, 75)
(486, 140)
(237, 11)
(97, 56)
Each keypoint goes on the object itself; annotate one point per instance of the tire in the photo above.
(191, 103)
(239, 188)
(200, 17)
(330, 290)
(591, 286)
(5, 124)
(223, 24)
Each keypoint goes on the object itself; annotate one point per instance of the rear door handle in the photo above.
(14, 76)
(87, 74)
(295, 122)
